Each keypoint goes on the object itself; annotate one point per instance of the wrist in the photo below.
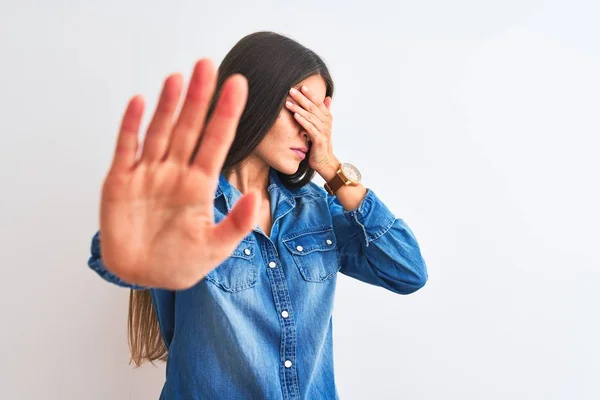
(328, 170)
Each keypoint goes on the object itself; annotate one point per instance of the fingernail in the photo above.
(304, 88)
(293, 91)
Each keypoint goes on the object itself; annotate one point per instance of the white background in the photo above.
(476, 122)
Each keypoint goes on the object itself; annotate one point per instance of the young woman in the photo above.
(230, 251)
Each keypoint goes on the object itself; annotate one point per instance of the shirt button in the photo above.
(272, 264)
(329, 241)
(299, 248)
(247, 251)
(287, 363)
(284, 314)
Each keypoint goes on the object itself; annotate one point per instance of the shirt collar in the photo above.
(231, 193)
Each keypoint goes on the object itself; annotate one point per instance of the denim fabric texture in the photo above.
(259, 326)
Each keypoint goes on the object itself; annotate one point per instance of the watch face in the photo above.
(351, 172)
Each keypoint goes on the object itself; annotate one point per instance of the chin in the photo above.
(289, 168)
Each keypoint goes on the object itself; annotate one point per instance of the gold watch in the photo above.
(346, 175)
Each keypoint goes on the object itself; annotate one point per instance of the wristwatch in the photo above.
(346, 175)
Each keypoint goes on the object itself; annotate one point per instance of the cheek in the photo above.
(285, 125)
(274, 138)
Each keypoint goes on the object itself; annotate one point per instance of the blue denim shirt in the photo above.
(259, 326)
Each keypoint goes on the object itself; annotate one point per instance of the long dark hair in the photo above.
(272, 64)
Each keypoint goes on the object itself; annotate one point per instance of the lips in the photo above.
(299, 153)
(302, 149)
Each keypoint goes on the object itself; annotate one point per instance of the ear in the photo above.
(327, 102)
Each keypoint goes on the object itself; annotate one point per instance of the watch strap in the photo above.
(334, 184)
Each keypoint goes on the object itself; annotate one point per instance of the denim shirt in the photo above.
(259, 326)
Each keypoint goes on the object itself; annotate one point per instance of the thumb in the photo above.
(242, 218)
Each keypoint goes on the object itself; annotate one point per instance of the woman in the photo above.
(230, 251)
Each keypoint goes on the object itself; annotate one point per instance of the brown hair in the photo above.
(272, 64)
(143, 331)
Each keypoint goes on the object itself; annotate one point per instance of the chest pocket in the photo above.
(315, 253)
(239, 271)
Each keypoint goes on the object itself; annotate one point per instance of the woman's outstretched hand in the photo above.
(156, 216)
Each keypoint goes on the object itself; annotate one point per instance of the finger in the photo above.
(191, 118)
(235, 226)
(312, 131)
(157, 136)
(318, 124)
(127, 141)
(305, 114)
(309, 95)
(309, 102)
(221, 129)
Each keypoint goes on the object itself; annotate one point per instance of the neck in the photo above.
(252, 176)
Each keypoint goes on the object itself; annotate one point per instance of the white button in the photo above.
(284, 314)
(247, 251)
(299, 248)
(287, 363)
(272, 264)
(329, 241)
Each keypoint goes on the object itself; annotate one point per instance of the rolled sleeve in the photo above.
(96, 264)
(372, 216)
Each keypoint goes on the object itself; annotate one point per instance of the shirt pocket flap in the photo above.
(305, 243)
(315, 253)
(246, 249)
(239, 271)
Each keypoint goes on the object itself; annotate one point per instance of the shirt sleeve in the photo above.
(376, 247)
(95, 263)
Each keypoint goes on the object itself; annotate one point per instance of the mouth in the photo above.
(300, 153)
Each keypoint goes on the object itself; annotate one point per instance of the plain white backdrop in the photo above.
(476, 122)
